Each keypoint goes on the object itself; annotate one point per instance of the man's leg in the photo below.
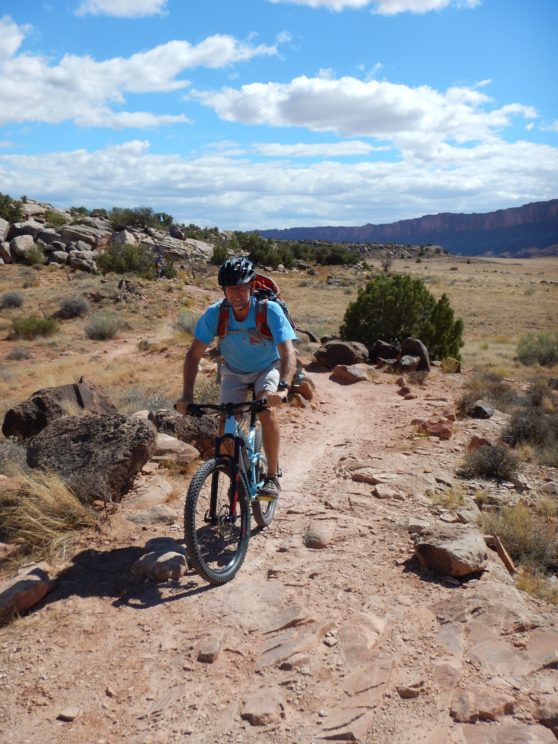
(271, 435)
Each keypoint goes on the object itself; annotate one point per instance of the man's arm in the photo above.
(287, 369)
(189, 374)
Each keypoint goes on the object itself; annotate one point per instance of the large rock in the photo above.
(451, 549)
(45, 405)
(381, 350)
(337, 352)
(415, 347)
(200, 433)
(4, 227)
(25, 590)
(347, 375)
(97, 456)
(95, 237)
(21, 245)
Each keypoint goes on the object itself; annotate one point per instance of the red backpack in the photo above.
(265, 289)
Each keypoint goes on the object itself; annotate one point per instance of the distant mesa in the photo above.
(521, 232)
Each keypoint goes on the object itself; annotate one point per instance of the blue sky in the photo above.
(248, 114)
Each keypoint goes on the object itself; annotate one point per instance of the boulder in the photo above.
(451, 549)
(95, 237)
(58, 257)
(29, 227)
(98, 457)
(382, 350)
(348, 375)
(21, 245)
(45, 405)
(414, 347)
(200, 433)
(337, 352)
(25, 590)
(6, 252)
(124, 237)
(4, 227)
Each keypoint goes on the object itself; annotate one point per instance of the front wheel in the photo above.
(215, 533)
(263, 511)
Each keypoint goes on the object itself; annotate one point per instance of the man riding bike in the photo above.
(249, 357)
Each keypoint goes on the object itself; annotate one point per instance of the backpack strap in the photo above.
(223, 322)
(261, 319)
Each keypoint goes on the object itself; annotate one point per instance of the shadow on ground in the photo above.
(98, 573)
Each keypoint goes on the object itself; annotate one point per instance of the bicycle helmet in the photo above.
(236, 271)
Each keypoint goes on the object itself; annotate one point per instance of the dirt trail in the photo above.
(338, 643)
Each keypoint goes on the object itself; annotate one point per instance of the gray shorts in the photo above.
(234, 385)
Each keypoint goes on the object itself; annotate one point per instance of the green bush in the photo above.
(220, 254)
(31, 327)
(391, 308)
(34, 256)
(537, 348)
(494, 462)
(139, 217)
(123, 258)
(10, 209)
(54, 219)
(103, 326)
(10, 300)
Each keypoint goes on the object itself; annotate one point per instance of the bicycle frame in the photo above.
(244, 460)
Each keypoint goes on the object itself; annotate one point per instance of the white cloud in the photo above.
(81, 89)
(238, 193)
(385, 7)
(122, 8)
(11, 36)
(552, 127)
(322, 150)
(352, 107)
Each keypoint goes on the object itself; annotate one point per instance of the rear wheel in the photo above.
(263, 511)
(216, 538)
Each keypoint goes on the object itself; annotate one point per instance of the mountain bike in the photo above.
(217, 508)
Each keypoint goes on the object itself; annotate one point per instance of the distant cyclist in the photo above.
(266, 360)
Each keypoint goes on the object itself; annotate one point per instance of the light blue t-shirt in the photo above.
(242, 349)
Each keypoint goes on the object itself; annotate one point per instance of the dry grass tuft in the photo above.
(41, 512)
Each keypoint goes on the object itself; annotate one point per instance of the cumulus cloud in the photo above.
(81, 89)
(237, 192)
(385, 7)
(352, 107)
(122, 8)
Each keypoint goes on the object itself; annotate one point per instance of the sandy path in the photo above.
(290, 635)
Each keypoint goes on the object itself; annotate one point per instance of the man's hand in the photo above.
(275, 399)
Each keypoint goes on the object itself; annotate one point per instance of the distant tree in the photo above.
(392, 308)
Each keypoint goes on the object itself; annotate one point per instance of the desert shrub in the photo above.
(54, 219)
(34, 257)
(123, 258)
(42, 513)
(450, 366)
(73, 307)
(494, 462)
(220, 254)
(31, 327)
(528, 536)
(529, 425)
(394, 307)
(10, 209)
(19, 354)
(103, 326)
(143, 217)
(490, 387)
(537, 348)
(187, 320)
(10, 300)
(142, 397)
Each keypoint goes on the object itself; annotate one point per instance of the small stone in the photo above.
(69, 714)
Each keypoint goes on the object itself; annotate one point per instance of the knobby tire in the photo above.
(263, 511)
(216, 550)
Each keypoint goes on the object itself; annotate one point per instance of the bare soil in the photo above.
(275, 655)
